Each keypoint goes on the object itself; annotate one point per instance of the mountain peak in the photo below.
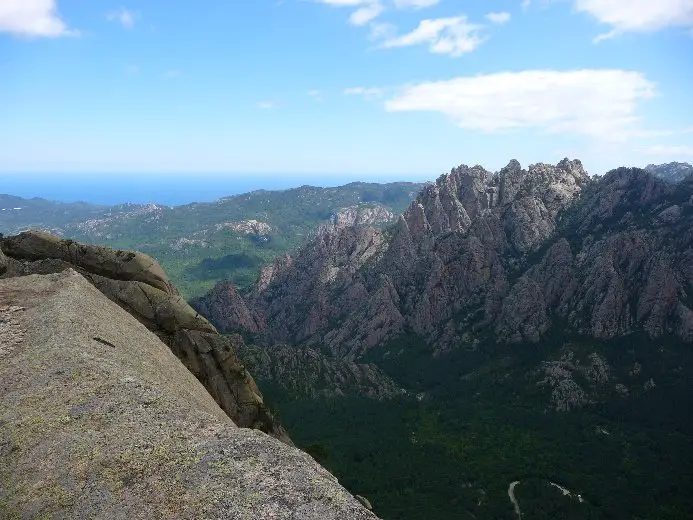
(671, 172)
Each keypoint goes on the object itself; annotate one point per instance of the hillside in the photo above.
(200, 244)
(539, 322)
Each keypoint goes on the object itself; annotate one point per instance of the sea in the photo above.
(162, 189)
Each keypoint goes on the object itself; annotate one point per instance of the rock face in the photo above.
(249, 227)
(98, 419)
(139, 285)
(507, 255)
(309, 372)
(226, 309)
(671, 172)
(374, 216)
(118, 265)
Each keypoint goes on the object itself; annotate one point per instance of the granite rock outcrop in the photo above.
(139, 285)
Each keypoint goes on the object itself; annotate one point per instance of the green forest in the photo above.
(475, 421)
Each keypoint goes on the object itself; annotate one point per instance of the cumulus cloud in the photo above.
(637, 15)
(454, 36)
(366, 14)
(123, 16)
(368, 10)
(498, 18)
(32, 18)
(596, 103)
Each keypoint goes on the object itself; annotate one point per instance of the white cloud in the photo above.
(498, 18)
(669, 150)
(454, 36)
(637, 15)
(368, 93)
(123, 16)
(525, 4)
(173, 73)
(382, 31)
(366, 14)
(596, 103)
(267, 105)
(33, 18)
(415, 4)
(368, 10)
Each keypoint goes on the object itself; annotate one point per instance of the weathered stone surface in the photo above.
(207, 354)
(671, 172)
(98, 419)
(119, 265)
(212, 359)
(362, 215)
(167, 312)
(524, 315)
(226, 309)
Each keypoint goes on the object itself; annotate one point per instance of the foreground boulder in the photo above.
(98, 419)
(138, 284)
(120, 265)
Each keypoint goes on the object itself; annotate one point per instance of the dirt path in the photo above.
(511, 495)
(516, 504)
(566, 492)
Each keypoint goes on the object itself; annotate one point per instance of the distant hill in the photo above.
(201, 243)
(670, 172)
(17, 213)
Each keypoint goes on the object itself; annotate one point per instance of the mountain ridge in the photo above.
(413, 275)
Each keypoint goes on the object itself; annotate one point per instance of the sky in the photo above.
(336, 90)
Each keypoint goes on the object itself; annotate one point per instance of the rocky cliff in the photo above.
(309, 372)
(671, 172)
(507, 256)
(140, 286)
(98, 419)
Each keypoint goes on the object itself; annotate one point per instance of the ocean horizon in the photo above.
(166, 190)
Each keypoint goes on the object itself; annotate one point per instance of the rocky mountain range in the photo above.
(513, 308)
(480, 254)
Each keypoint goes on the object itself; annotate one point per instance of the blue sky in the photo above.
(327, 89)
